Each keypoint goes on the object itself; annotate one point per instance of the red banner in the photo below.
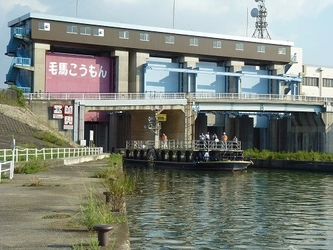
(67, 73)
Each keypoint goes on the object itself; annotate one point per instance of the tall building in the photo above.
(199, 81)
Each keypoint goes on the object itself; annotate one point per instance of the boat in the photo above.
(188, 155)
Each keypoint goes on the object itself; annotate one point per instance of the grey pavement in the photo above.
(23, 209)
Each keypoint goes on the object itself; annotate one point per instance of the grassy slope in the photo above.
(27, 129)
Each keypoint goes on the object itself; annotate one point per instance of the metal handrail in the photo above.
(27, 154)
(190, 96)
(7, 166)
(202, 145)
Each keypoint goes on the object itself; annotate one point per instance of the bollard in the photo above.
(107, 196)
(103, 234)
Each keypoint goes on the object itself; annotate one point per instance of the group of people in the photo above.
(205, 137)
(215, 138)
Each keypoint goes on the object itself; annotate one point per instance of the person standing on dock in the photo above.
(224, 139)
(164, 139)
(215, 139)
(202, 138)
(235, 142)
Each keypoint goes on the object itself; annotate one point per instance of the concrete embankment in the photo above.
(43, 216)
(293, 165)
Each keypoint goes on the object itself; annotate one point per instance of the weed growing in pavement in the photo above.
(56, 216)
(35, 182)
(116, 183)
(4, 178)
(95, 211)
(32, 166)
(91, 244)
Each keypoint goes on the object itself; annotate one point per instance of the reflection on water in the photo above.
(254, 209)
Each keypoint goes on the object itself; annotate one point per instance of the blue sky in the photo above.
(306, 23)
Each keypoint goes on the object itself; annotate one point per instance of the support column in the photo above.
(233, 84)
(190, 117)
(39, 53)
(241, 127)
(275, 85)
(81, 122)
(320, 81)
(188, 83)
(121, 71)
(136, 71)
(328, 121)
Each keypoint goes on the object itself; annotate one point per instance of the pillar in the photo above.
(328, 121)
(241, 127)
(233, 85)
(136, 71)
(39, 53)
(121, 71)
(188, 81)
(275, 85)
(81, 112)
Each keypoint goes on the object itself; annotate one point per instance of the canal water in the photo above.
(254, 209)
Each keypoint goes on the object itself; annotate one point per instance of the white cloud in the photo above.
(34, 5)
(286, 10)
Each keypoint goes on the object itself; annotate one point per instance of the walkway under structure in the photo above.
(186, 111)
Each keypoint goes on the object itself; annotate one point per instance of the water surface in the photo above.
(253, 209)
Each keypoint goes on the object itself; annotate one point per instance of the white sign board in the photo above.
(68, 122)
(57, 111)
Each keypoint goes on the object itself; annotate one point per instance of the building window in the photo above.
(311, 81)
(144, 37)
(170, 39)
(194, 42)
(282, 51)
(261, 49)
(217, 44)
(98, 32)
(85, 31)
(239, 46)
(44, 26)
(123, 34)
(71, 29)
(328, 82)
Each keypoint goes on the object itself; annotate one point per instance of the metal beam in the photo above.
(284, 77)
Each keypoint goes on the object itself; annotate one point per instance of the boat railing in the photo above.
(202, 145)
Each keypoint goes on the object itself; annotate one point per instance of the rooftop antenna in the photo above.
(173, 14)
(77, 4)
(260, 14)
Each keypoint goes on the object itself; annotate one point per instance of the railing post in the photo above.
(11, 170)
(16, 155)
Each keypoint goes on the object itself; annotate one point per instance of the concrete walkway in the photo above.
(23, 209)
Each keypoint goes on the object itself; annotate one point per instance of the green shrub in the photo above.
(95, 211)
(298, 156)
(91, 244)
(49, 137)
(32, 166)
(116, 182)
(20, 96)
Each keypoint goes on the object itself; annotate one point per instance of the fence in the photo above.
(186, 145)
(7, 166)
(46, 153)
